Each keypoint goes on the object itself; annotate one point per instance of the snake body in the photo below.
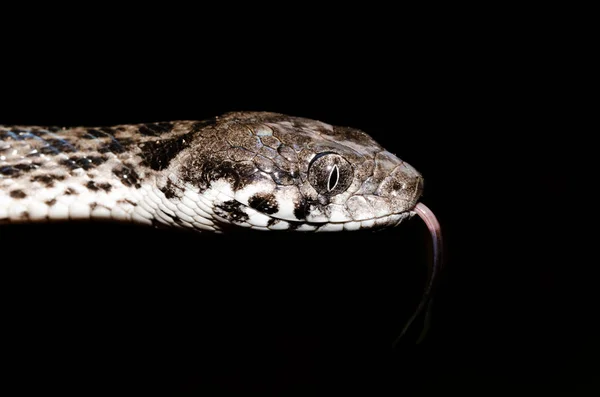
(260, 170)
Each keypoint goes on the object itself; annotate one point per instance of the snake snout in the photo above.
(402, 188)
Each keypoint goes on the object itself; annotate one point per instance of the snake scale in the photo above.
(259, 170)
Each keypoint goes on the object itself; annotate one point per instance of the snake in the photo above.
(260, 170)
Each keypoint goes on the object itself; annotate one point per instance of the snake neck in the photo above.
(117, 173)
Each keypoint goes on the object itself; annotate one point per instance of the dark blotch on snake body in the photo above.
(27, 167)
(158, 154)
(47, 179)
(9, 171)
(18, 169)
(105, 186)
(231, 210)
(60, 145)
(275, 221)
(264, 202)
(92, 186)
(116, 146)
(127, 176)
(87, 163)
(51, 202)
(69, 191)
(18, 194)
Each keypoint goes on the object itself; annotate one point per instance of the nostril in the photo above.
(399, 189)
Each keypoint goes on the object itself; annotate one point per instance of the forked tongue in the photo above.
(434, 269)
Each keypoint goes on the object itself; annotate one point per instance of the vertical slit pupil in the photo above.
(333, 178)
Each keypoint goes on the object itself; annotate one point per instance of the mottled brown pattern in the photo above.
(272, 152)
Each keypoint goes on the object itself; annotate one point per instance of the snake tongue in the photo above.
(434, 269)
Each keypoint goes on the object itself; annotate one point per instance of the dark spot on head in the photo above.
(232, 211)
(50, 202)
(272, 222)
(18, 194)
(93, 206)
(158, 154)
(299, 209)
(264, 202)
(155, 129)
(92, 186)
(127, 176)
(201, 172)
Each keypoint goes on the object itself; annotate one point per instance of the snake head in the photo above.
(271, 171)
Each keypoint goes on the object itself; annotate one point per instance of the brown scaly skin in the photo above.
(299, 173)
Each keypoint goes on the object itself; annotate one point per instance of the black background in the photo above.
(487, 120)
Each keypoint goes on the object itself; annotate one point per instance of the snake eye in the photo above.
(330, 174)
